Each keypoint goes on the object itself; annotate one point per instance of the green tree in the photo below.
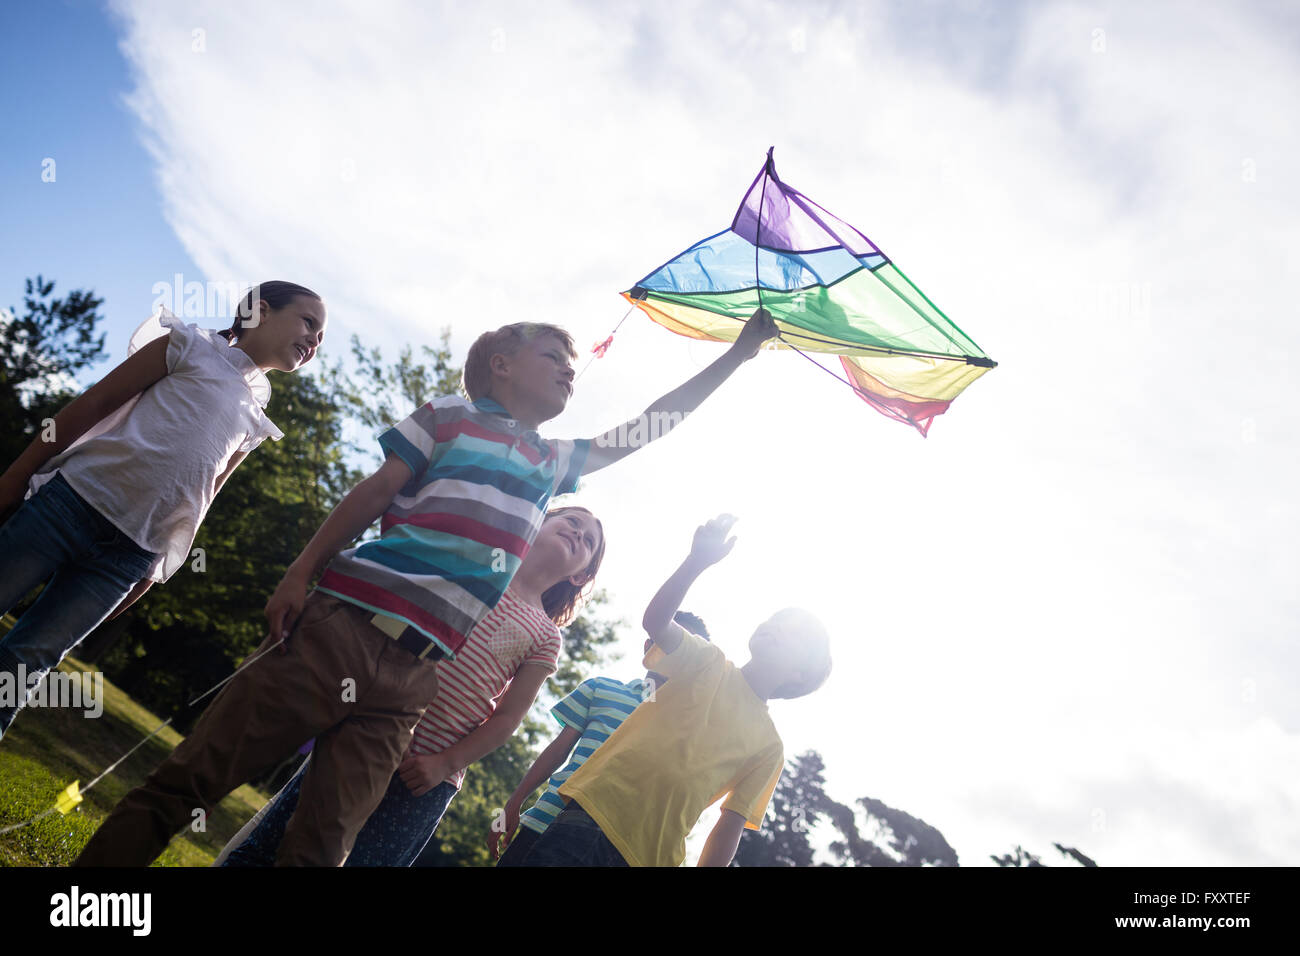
(901, 839)
(800, 802)
(377, 396)
(797, 804)
(41, 348)
(1022, 857)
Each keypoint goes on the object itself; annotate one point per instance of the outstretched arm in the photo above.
(547, 762)
(669, 411)
(710, 546)
(723, 840)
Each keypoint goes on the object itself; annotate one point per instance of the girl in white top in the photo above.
(117, 494)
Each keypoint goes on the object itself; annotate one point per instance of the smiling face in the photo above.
(286, 338)
(567, 546)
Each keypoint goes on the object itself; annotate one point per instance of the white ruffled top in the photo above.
(150, 468)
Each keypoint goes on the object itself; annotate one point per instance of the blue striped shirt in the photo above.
(595, 709)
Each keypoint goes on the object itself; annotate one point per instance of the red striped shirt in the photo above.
(510, 635)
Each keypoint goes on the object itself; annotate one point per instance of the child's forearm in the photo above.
(659, 612)
(349, 519)
(687, 397)
(481, 741)
(724, 838)
(664, 415)
(498, 728)
(547, 762)
(76, 418)
(129, 379)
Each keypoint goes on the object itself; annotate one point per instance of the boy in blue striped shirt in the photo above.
(589, 715)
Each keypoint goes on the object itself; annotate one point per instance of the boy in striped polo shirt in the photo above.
(595, 709)
(461, 493)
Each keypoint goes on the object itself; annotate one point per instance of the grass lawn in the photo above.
(47, 748)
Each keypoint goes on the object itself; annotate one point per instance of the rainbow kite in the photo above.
(830, 289)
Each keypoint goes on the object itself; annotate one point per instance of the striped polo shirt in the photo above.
(456, 533)
(595, 709)
(512, 634)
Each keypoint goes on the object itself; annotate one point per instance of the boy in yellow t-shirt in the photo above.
(705, 734)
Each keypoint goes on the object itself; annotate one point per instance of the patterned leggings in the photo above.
(395, 834)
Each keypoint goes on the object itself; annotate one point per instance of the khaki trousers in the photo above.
(342, 681)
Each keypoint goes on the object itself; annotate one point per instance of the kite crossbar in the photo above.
(641, 294)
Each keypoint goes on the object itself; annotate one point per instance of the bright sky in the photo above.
(1069, 615)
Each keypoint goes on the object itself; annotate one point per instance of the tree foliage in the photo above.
(1022, 857)
(797, 804)
(377, 396)
(41, 347)
(895, 838)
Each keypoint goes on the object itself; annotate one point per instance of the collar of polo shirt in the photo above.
(493, 407)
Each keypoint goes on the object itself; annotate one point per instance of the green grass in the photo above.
(46, 748)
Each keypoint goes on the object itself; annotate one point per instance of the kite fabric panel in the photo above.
(830, 289)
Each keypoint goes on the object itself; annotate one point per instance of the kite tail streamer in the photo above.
(600, 348)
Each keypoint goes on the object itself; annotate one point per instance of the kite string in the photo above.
(833, 375)
(594, 351)
(116, 763)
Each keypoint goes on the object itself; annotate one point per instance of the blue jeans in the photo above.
(520, 845)
(395, 834)
(90, 566)
(574, 839)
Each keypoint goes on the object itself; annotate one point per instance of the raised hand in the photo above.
(711, 543)
(760, 327)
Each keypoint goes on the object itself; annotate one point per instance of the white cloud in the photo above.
(1095, 543)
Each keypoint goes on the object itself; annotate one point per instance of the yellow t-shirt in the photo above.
(704, 734)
